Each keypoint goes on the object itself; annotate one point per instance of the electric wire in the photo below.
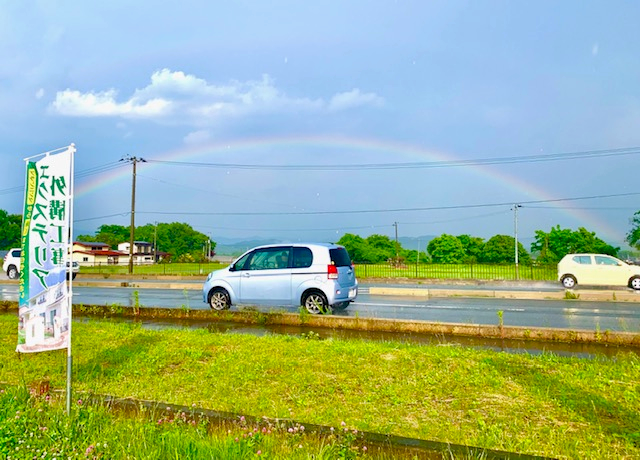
(412, 165)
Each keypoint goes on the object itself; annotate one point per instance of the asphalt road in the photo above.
(563, 314)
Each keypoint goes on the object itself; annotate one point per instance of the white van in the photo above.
(598, 270)
(11, 265)
(317, 276)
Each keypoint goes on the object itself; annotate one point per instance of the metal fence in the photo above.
(458, 271)
(414, 271)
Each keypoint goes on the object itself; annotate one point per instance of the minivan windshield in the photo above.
(340, 257)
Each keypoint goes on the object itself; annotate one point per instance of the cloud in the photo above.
(177, 97)
(40, 93)
(197, 137)
(100, 104)
(354, 98)
(595, 49)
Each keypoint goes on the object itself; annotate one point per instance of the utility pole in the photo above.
(395, 224)
(155, 243)
(515, 228)
(133, 161)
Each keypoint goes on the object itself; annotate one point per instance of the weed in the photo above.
(185, 293)
(310, 335)
(136, 302)
(304, 315)
(570, 295)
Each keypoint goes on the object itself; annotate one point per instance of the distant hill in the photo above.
(231, 247)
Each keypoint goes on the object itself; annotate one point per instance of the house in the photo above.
(92, 253)
(143, 252)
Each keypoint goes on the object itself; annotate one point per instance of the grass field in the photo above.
(363, 271)
(540, 405)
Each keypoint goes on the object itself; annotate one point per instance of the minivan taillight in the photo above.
(332, 272)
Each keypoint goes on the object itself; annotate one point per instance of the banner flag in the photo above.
(44, 297)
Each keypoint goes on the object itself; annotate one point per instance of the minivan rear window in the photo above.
(340, 257)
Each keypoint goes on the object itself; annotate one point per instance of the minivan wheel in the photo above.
(12, 273)
(569, 282)
(315, 302)
(340, 306)
(219, 299)
(635, 283)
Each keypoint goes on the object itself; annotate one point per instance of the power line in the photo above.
(375, 211)
(413, 165)
(85, 173)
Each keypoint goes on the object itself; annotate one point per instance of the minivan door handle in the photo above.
(246, 274)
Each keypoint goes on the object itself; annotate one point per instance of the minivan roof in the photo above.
(278, 245)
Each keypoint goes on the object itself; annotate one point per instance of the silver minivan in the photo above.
(318, 276)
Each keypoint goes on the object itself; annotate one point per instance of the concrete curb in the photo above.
(587, 295)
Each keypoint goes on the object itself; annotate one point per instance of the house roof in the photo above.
(84, 243)
(102, 253)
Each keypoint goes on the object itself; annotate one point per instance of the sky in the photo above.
(304, 121)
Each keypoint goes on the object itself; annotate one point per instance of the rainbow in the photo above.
(370, 149)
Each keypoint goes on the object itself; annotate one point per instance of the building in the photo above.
(142, 252)
(93, 253)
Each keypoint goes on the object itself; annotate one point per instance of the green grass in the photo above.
(34, 425)
(363, 271)
(540, 405)
(176, 269)
(458, 271)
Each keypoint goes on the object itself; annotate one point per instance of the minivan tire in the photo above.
(12, 273)
(315, 302)
(634, 283)
(219, 299)
(569, 281)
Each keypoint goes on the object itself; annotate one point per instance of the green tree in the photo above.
(178, 239)
(633, 237)
(356, 246)
(473, 247)
(559, 242)
(446, 249)
(10, 227)
(502, 249)
(380, 248)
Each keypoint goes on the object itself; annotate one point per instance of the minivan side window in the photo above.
(340, 257)
(269, 258)
(240, 263)
(302, 257)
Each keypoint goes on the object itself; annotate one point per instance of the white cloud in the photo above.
(176, 97)
(197, 137)
(354, 98)
(75, 103)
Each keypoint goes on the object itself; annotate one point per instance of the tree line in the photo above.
(184, 244)
(548, 247)
(179, 240)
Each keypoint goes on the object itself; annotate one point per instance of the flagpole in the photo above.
(72, 151)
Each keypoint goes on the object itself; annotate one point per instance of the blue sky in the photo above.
(307, 121)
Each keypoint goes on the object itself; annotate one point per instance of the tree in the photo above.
(178, 239)
(473, 247)
(633, 237)
(10, 227)
(559, 242)
(356, 246)
(446, 249)
(502, 249)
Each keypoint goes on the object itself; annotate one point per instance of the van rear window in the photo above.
(340, 257)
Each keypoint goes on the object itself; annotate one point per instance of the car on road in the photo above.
(597, 270)
(11, 265)
(318, 276)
